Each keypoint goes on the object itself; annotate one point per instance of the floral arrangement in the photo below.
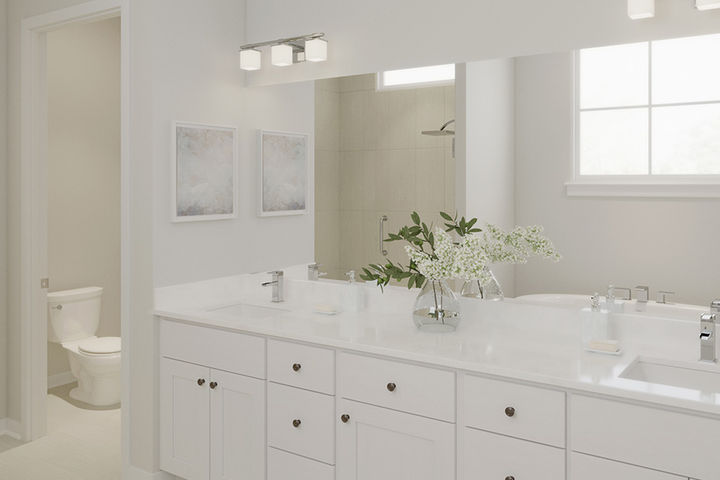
(461, 250)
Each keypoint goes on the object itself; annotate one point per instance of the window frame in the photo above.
(381, 87)
(646, 185)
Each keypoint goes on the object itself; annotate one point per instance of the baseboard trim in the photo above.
(134, 473)
(60, 379)
(11, 428)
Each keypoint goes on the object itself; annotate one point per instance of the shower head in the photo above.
(443, 132)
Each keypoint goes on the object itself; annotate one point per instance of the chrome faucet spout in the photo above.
(277, 283)
(708, 352)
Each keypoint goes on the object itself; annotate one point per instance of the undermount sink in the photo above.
(695, 376)
(245, 310)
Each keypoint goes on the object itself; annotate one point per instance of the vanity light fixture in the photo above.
(250, 59)
(285, 51)
(707, 4)
(639, 9)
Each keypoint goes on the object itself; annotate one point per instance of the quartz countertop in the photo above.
(511, 339)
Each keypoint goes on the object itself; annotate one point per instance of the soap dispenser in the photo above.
(595, 333)
(354, 295)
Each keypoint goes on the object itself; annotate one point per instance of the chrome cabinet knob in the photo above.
(213, 385)
(201, 381)
(510, 411)
(345, 417)
(391, 387)
(296, 423)
(296, 367)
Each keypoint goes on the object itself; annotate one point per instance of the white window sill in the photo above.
(643, 189)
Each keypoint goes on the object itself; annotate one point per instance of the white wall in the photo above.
(669, 244)
(3, 209)
(486, 127)
(375, 35)
(83, 81)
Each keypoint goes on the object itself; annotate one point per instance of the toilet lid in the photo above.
(100, 345)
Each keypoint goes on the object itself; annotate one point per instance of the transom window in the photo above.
(416, 77)
(649, 110)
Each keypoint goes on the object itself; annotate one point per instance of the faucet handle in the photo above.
(715, 306)
(662, 296)
(642, 293)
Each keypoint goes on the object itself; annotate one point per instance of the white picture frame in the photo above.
(215, 162)
(289, 160)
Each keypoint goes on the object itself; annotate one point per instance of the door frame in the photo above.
(33, 208)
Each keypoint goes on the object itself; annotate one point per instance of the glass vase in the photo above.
(487, 288)
(437, 308)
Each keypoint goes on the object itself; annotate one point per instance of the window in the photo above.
(649, 112)
(417, 77)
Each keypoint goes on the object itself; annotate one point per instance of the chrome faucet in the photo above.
(277, 284)
(314, 272)
(707, 337)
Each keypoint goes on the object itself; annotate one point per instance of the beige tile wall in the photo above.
(369, 142)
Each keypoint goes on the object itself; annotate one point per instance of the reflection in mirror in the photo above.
(614, 150)
(373, 162)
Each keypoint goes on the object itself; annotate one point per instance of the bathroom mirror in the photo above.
(615, 151)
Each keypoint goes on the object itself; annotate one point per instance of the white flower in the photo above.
(469, 258)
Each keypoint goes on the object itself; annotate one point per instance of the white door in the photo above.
(184, 419)
(375, 443)
(237, 417)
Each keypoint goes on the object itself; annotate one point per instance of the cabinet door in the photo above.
(237, 418)
(380, 444)
(184, 419)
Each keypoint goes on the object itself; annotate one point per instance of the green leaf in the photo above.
(446, 216)
(415, 218)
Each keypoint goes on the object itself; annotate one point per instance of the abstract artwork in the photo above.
(283, 173)
(204, 172)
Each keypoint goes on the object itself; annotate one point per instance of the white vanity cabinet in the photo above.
(212, 422)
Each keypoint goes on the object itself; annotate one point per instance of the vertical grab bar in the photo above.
(381, 238)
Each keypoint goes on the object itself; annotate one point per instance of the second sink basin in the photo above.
(695, 376)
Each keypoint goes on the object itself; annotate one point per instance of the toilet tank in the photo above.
(73, 314)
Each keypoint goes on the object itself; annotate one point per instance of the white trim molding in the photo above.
(11, 428)
(643, 189)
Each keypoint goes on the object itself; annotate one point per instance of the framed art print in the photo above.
(283, 173)
(204, 172)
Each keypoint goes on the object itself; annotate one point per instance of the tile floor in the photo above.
(81, 444)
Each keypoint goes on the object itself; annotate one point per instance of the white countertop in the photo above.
(520, 341)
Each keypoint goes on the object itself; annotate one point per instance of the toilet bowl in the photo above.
(95, 362)
(73, 318)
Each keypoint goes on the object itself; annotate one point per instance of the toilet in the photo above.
(73, 319)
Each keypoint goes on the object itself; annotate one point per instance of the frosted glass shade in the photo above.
(316, 50)
(707, 4)
(638, 9)
(282, 55)
(250, 59)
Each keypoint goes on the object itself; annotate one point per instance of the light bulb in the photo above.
(282, 55)
(316, 50)
(250, 59)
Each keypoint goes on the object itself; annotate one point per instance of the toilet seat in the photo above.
(100, 346)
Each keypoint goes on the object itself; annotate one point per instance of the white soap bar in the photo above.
(608, 346)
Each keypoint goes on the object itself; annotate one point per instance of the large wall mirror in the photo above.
(614, 150)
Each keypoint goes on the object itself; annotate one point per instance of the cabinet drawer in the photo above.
(221, 349)
(585, 467)
(492, 456)
(400, 386)
(314, 435)
(301, 366)
(678, 443)
(521, 411)
(284, 466)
